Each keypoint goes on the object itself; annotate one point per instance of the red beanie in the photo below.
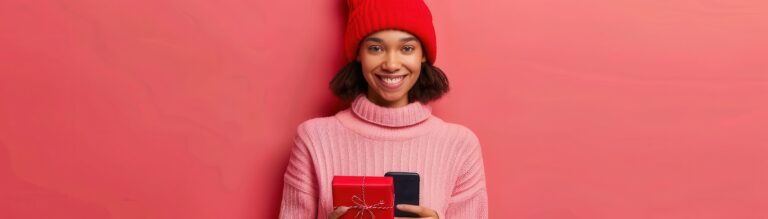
(369, 16)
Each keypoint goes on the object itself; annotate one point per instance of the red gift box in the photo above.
(368, 197)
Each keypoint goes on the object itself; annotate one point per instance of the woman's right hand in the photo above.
(338, 212)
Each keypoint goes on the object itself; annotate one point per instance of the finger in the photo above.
(421, 211)
(338, 212)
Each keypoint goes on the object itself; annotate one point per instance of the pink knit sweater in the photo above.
(369, 140)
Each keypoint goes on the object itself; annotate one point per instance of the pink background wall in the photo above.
(186, 109)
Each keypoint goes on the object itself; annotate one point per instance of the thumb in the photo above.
(338, 212)
(413, 209)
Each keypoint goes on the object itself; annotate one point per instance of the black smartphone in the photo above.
(406, 190)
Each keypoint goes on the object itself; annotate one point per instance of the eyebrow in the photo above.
(379, 40)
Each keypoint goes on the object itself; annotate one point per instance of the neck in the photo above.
(389, 104)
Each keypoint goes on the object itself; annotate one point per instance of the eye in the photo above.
(374, 48)
(408, 49)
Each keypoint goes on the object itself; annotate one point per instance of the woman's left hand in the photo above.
(424, 213)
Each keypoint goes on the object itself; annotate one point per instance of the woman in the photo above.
(390, 47)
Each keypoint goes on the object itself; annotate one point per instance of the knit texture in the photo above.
(369, 140)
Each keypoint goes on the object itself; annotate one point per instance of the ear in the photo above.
(423, 59)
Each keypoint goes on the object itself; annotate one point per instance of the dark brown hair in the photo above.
(350, 82)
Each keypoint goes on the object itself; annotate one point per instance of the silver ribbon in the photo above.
(363, 207)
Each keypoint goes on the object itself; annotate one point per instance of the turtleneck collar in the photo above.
(407, 115)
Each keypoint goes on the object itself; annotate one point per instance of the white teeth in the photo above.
(392, 80)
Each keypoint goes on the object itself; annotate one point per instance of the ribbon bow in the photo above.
(363, 207)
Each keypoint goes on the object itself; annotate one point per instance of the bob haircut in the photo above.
(431, 84)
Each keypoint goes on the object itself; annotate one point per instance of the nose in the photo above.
(391, 63)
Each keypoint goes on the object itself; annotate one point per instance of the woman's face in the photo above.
(391, 61)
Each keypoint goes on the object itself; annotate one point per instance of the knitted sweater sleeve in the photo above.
(470, 198)
(300, 195)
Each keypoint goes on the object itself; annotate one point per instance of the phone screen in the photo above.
(406, 190)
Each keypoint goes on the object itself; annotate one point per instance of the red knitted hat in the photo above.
(369, 16)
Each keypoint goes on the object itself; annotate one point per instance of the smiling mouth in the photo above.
(391, 82)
